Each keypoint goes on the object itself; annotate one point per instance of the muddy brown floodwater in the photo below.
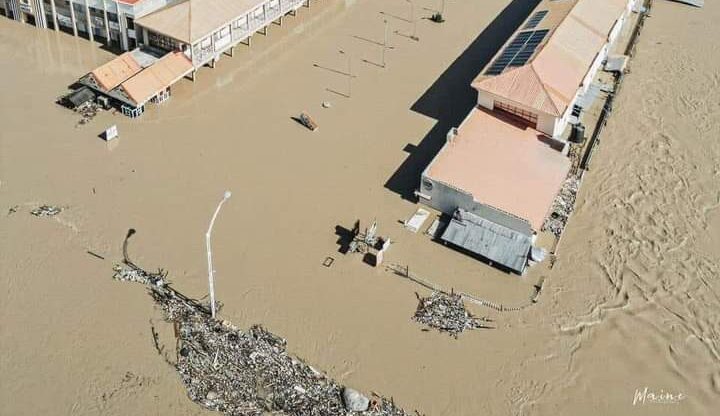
(632, 302)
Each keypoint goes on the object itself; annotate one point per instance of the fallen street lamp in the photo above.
(211, 277)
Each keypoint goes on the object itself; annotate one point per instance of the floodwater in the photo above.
(631, 303)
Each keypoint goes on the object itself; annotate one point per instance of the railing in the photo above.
(252, 25)
(200, 55)
(240, 33)
(288, 5)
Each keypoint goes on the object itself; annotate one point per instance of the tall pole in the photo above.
(385, 43)
(349, 74)
(211, 277)
(414, 22)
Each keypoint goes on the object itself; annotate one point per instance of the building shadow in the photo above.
(450, 98)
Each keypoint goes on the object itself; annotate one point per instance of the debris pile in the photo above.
(247, 373)
(137, 275)
(562, 207)
(446, 312)
(87, 112)
(46, 211)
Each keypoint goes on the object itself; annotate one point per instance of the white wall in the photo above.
(486, 100)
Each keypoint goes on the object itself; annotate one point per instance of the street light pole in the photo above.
(414, 22)
(211, 277)
(385, 43)
(349, 75)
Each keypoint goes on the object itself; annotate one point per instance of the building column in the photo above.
(13, 8)
(39, 13)
(89, 22)
(107, 23)
(72, 17)
(123, 27)
(53, 9)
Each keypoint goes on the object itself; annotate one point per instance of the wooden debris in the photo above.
(308, 122)
(446, 312)
(46, 211)
(562, 207)
(246, 373)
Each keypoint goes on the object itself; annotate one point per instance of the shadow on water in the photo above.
(450, 98)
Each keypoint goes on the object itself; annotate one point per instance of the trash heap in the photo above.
(562, 207)
(46, 211)
(87, 112)
(247, 373)
(446, 312)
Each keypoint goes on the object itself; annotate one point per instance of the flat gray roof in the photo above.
(488, 239)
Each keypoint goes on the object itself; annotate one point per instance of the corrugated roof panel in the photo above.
(492, 241)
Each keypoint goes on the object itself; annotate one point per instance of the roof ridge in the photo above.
(544, 87)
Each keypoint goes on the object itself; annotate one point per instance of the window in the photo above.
(222, 33)
(162, 42)
(427, 185)
(518, 112)
(130, 23)
(241, 23)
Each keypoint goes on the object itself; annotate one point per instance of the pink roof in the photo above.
(503, 164)
(113, 73)
(157, 77)
(551, 79)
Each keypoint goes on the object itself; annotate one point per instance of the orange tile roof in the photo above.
(157, 77)
(115, 72)
(524, 86)
(552, 77)
(503, 164)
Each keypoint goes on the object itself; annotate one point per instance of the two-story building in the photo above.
(501, 169)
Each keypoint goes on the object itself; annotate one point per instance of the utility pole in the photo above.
(211, 277)
(385, 43)
(414, 22)
(349, 73)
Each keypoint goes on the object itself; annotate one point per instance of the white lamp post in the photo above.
(211, 278)
(385, 43)
(350, 75)
(414, 22)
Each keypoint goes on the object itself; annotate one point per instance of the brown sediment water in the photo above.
(632, 301)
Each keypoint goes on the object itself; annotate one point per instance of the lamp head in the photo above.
(227, 195)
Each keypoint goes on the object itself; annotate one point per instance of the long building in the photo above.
(175, 41)
(111, 22)
(501, 169)
(171, 23)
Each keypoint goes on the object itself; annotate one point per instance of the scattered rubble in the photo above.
(87, 112)
(46, 211)
(446, 312)
(246, 373)
(354, 400)
(562, 207)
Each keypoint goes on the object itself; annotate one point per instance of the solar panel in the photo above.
(535, 19)
(518, 52)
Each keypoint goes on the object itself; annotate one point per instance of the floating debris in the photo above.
(246, 373)
(87, 111)
(307, 121)
(446, 312)
(137, 275)
(562, 207)
(46, 211)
